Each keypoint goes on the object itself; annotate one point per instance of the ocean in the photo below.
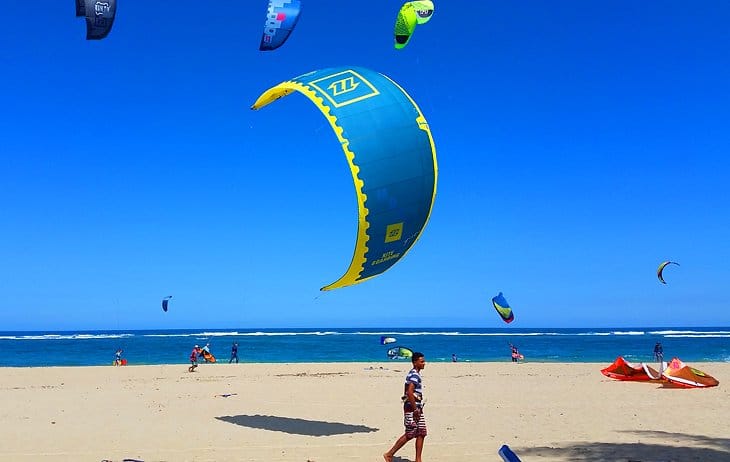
(94, 348)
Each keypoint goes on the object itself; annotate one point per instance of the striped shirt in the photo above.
(414, 377)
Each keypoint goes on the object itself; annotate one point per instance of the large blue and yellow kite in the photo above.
(391, 154)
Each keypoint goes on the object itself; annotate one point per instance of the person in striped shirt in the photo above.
(413, 418)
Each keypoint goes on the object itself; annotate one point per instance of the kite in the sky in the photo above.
(400, 353)
(391, 154)
(281, 18)
(165, 301)
(410, 15)
(503, 308)
(99, 16)
(660, 270)
(385, 340)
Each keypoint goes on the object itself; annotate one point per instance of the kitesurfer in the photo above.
(194, 358)
(118, 357)
(234, 353)
(413, 418)
(658, 352)
(515, 353)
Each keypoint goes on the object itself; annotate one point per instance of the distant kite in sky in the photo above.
(165, 301)
(391, 154)
(99, 16)
(503, 308)
(281, 18)
(410, 15)
(660, 270)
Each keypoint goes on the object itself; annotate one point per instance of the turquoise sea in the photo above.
(91, 348)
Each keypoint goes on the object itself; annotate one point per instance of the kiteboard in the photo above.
(208, 356)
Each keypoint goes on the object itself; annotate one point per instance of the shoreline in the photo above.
(322, 412)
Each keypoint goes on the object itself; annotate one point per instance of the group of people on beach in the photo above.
(197, 352)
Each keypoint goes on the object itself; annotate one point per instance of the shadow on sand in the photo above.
(295, 426)
(685, 448)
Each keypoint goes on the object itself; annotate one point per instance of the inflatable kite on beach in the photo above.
(503, 309)
(165, 301)
(391, 154)
(281, 18)
(99, 17)
(624, 370)
(410, 15)
(680, 375)
(660, 270)
(400, 353)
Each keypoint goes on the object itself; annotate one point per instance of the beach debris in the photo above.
(660, 270)
(503, 309)
(391, 154)
(225, 395)
(507, 455)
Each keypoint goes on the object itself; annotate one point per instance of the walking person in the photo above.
(234, 353)
(659, 352)
(413, 418)
(194, 358)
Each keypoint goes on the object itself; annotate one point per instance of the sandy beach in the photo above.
(352, 412)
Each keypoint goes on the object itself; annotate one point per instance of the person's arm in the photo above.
(411, 396)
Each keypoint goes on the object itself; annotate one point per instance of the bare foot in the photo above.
(387, 457)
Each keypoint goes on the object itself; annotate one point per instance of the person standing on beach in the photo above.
(194, 358)
(234, 353)
(658, 352)
(118, 357)
(413, 418)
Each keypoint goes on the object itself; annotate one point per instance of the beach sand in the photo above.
(337, 412)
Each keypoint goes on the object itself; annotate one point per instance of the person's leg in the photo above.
(399, 443)
(419, 447)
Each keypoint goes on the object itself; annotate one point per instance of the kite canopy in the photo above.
(624, 370)
(80, 8)
(503, 309)
(281, 18)
(410, 15)
(165, 301)
(386, 340)
(99, 17)
(400, 352)
(391, 154)
(679, 374)
(660, 270)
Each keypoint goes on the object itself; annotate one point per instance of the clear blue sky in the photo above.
(579, 144)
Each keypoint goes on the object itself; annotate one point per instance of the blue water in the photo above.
(90, 348)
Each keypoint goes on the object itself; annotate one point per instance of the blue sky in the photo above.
(579, 144)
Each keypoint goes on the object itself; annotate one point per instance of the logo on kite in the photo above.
(660, 270)
(503, 308)
(165, 301)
